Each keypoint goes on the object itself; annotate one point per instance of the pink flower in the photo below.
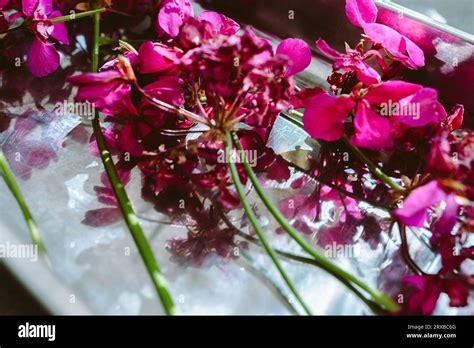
(246, 68)
(109, 90)
(171, 16)
(208, 26)
(325, 114)
(43, 59)
(363, 13)
(414, 211)
(353, 60)
(426, 289)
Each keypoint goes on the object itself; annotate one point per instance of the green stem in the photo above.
(15, 190)
(79, 15)
(257, 228)
(124, 203)
(362, 157)
(383, 300)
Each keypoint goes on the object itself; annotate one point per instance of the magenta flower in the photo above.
(363, 13)
(353, 60)
(425, 289)
(43, 58)
(414, 211)
(208, 26)
(424, 297)
(171, 16)
(108, 90)
(325, 114)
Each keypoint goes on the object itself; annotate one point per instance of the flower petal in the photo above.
(391, 90)
(399, 46)
(372, 131)
(43, 59)
(60, 30)
(414, 209)
(367, 74)
(172, 15)
(327, 50)
(415, 53)
(128, 141)
(361, 12)
(155, 57)
(298, 52)
(325, 114)
(29, 7)
(447, 221)
(421, 109)
(168, 89)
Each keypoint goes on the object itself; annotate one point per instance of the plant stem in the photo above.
(362, 157)
(15, 190)
(124, 203)
(79, 15)
(257, 228)
(406, 252)
(383, 300)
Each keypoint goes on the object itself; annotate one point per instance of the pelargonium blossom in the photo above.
(43, 58)
(245, 69)
(353, 60)
(325, 114)
(414, 211)
(363, 13)
(109, 89)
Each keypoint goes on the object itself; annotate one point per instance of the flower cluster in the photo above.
(202, 79)
(171, 101)
(394, 118)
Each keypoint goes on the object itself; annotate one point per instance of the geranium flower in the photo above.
(108, 90)
(363, 13)
(43, 58)
(244, 69)
(426, 290)
(353, 60)
(325, 114)
(414, 211)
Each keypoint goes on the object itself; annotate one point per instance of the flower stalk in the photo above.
(124, 203)
(74, 16)
(15, 190)
(258, 229)
(383, 300)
